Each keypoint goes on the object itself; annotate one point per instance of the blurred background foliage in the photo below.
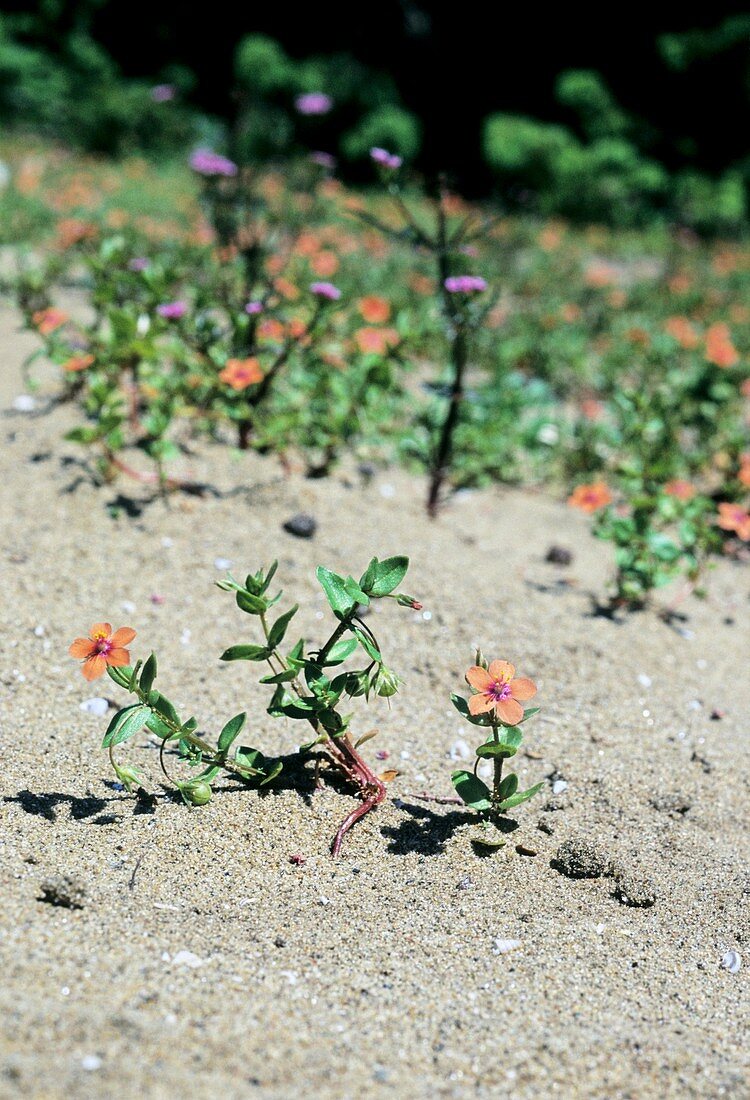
(558, 112)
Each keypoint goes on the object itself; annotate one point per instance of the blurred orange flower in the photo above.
(680, 489)
(376, 341)
(47, 320)
(374, 309)
(324, 264)
(241, 373)
(78, 362)
(732, 517)
(589, 498)
(683, 332)
(719, 347)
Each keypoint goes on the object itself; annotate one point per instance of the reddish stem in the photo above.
(150, 478)
(371, 789)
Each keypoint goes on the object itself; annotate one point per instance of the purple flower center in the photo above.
(498, 690)
(103, 645)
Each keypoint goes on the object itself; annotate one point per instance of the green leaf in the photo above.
(471, 790)
(246, 653)
(382, 577)
(272, 773)
(279, 628)
(148, 675)
(508, 786)
(125, 724)
(507, 746)
(280, 677)
(231, 731)
(343, 648)
(335, 587)
(253, 605)
(463, 709)
(519, 797)
(269, 575)
(356, 592)
(367, 645)
(529, 712)
(121, 676)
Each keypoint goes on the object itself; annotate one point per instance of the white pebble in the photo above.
(91, 1062)
(187, 958)
(732, 962)
(387, 491)
(127, 606)
(185, 636)
(39, 631)
(644, 680)
(223, 563)
(24, 403)
(97, 706)
(167, 542)
(459, 750)
(559, 786)
(502, 947)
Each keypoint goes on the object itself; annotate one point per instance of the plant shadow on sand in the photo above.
(427, 832)
(90, 809)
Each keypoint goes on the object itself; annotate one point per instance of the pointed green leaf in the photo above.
(508, 786)
(343, 648)
(279, 628)
(367, 645)
(125, 724)
(519, 797)
(382, 577)
(246, 653)
(253, 605)
(334, 586)
(231, 731)
(148, 675)
(280, 677)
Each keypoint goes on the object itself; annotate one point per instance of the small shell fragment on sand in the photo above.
(732, 961)
(501, 946)
(97, 706)
(187, 958)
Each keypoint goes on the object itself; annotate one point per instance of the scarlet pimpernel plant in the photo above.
(497, 705)
(306, 687)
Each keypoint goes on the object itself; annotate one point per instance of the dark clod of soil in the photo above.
(302, 526)
(63, 890)
(582, 859)
(672, 802)
(634, 889)
(559, 555)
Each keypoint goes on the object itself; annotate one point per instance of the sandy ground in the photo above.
(384, 973)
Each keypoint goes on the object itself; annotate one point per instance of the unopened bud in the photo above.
(197, 792)
(386, 682)
(408, 601)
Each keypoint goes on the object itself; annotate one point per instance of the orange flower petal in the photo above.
(94, 667)
(104, 629)
(502, 670)
(122, 636)
(117, 658)
(522, 689)
(82, 648)
(479, 704)
(509, 711)
(479, 678)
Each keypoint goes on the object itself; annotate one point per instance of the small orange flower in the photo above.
(496, 689)
(47, 320)
(732, 517)
(241, 373)
(376, 341)
(324, 264)
(271, 329)
(102, 648)
(286, 289)
(682, 490)
(743, 474)
(589, 498)
(78, 362)
(681, 330)
(719, 347)
(374, 309)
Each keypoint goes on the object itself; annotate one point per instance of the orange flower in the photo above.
(78, 362)
(719, 347)
(589, 498)
(682, 490)
(682, 331)
(47, 320)
(286, 289)
(374, 310)
(324, 264)
(102, 648)
(271, 329)
(241, 373)
(734, 518)
(743, 474)
(376, 340)
(496, 689)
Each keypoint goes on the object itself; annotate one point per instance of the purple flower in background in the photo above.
(207, 163)
(138, 263)
(162, 93)
(326, 290)
(386, 159)
(313, 103)
(254, 307)
(324, 160)
(465, 284)
(172, 311)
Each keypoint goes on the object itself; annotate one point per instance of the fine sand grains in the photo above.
(192, 956)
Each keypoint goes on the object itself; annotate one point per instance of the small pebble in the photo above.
(223, 563)
(732, 962)
(559, 555)
(24, 403)
(97, 706)
(302, 526)
(460, 750)
(39, 631)
(582, 859)
(644, 680)
(156, 598)
(67, 891)
(187, 958)
(634, 889)
(524, 850)
(387, 491)
(559, 786)
(717, 714)
(91, 1062)
(502, 947)
(128, 607)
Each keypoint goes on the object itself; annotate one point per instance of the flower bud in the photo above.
(129, 777)
(386, 682)
(197, 792)
(408, 601)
